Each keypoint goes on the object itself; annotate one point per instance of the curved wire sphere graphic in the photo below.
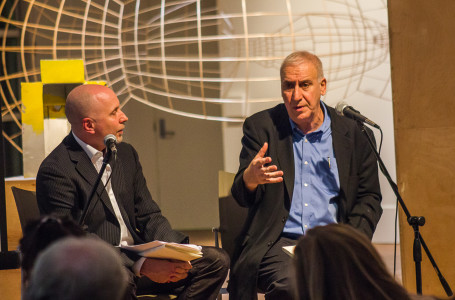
(204, 59)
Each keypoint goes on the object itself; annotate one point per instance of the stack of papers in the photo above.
(159, 249)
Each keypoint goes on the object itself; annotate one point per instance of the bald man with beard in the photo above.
(123, 213)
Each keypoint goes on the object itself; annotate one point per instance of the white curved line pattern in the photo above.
(189, 56)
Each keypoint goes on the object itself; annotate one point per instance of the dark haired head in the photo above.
(338, 262)
(39, 234)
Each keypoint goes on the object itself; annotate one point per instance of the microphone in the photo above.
(111, 141)
(343, 109)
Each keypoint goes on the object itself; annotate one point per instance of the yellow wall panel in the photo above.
(62, 71)
(32, 106)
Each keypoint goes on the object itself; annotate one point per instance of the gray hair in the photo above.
(78, 268)
(299, 57)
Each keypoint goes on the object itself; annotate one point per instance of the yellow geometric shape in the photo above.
(62, 71)
(32, 105)
(44, 123)
(99, 82)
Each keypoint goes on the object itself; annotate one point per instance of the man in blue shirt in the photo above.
(301, 166)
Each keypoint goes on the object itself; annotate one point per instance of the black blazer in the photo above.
(66, 177)
(359, 201)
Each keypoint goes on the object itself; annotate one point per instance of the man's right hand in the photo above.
(164, 270)
(256, 173)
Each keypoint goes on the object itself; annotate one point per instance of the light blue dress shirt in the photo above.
(316, 181)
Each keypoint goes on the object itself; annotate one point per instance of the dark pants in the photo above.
(204, 280)
(274, 277)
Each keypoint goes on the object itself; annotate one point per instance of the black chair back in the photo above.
(232, 219)
(27, 206)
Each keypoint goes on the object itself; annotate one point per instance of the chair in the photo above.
(232, 217)
(27, 206)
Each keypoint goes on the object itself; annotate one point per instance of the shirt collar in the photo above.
(87, 148)
(322, 129)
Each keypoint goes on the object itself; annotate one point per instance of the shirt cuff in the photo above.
(137, 266)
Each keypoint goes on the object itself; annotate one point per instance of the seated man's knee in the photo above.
(217, 257)
(280, 289)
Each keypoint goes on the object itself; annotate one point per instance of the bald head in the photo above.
(94, 112)
(82, 100)
(78, 268)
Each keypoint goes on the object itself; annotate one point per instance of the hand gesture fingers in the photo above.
(257, 173)
(262, 151)
(270, 174)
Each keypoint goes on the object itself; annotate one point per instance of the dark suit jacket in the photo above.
(66, 177)
(359, 201)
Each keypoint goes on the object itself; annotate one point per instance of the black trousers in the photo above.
(275, 271)
(204, 280)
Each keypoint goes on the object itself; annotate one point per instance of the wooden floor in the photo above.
(10, 279)
(10, 284)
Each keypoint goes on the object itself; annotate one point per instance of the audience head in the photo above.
(78, 268)
(338, 262)
(40, 234)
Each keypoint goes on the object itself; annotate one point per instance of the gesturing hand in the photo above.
(256, 173)
(164, 270)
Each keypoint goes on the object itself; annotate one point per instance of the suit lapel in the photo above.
(116, 179)
(87, 171)
(118, 186)
(285, 151)
(342, 149)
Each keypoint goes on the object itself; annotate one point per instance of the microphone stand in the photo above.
(413, 221)
(106, 159)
